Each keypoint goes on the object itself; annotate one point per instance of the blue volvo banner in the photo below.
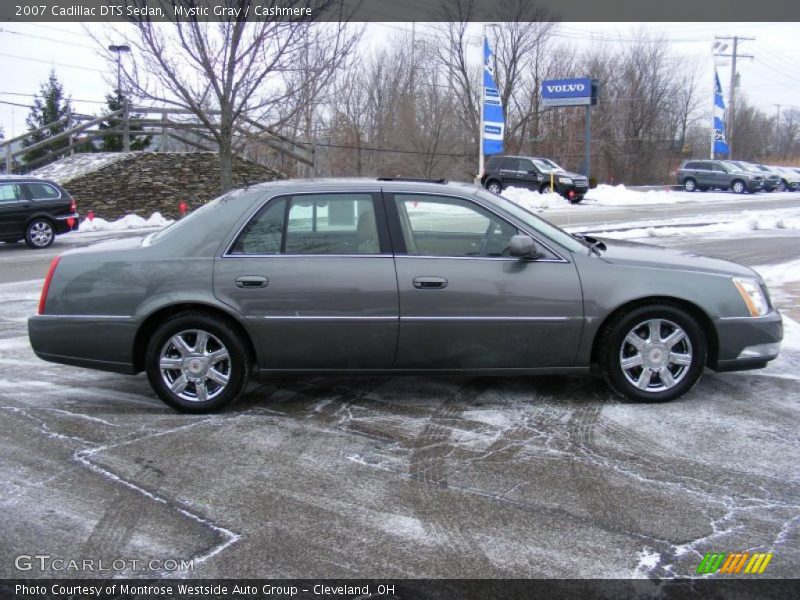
(720, 143)
(567, 92)
(493, 121)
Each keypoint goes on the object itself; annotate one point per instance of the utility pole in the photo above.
(732, 94)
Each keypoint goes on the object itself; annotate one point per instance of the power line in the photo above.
(49, 39)
(52, 62)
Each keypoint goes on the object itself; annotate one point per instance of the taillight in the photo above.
(74, 206)
(46, 288)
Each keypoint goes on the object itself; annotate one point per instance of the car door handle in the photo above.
(252, 281)
(430, 283)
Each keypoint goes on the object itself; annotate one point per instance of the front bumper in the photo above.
(748, 342)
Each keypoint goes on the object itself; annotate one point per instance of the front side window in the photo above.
(9, 192)
(446, 226)
(335, 224)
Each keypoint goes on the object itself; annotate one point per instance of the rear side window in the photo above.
(264, 233)
(510, 164)
(332, 224)
(494, 163)
(9, 192)
(41, 191)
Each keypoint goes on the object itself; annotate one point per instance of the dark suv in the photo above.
(35, 210)
(535, 174)
(717, 174)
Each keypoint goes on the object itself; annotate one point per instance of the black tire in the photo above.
(494, 186)
(546, 189)
(738, 186)
(614, 348)
(40, 233)
(236, 367)
(690, 184)
(575, 199)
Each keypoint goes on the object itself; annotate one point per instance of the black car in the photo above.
(35, 210)
(538, 174)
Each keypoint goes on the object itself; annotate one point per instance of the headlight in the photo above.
(752, 295)
(566, 180)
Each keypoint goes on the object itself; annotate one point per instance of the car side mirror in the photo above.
(523, 246)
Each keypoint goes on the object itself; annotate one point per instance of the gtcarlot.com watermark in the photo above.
(48, 563)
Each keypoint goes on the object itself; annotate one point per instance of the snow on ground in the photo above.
(619, 195)
(156, 220)
(742, 222)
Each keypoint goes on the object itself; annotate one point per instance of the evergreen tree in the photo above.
(48, 106)
(113, 142)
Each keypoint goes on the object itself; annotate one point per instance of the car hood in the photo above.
(568, 174)
(624, 252)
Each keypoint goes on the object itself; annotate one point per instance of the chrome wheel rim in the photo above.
(655, 355)
(738, 187)
(494, 188)
(689, 185)
(195, 365)
(41, 233)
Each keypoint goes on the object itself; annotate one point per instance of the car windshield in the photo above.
(546, 165)
(537, 224)
(733, 166)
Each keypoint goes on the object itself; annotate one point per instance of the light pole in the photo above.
(119, 51)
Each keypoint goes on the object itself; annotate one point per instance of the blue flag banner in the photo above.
(493, 122)
(720, 143)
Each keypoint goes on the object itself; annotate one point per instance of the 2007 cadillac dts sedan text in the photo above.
(395, 276)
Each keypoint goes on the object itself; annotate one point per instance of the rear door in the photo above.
(464, 303)
(14, 211)
(510, 173)
(314, 277)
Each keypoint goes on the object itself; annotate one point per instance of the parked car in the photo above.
(35, 210)
(789, 179)
(538, 174)
(705, 175)
(772, 180)
(394, 276)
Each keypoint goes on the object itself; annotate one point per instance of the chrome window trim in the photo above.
(492, 211)
(259, 206)
(98, 317)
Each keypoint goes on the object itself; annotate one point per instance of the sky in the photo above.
(29, 50)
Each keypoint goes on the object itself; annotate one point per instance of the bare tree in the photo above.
(268, 71)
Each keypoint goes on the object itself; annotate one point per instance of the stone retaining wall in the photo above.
(146, 182)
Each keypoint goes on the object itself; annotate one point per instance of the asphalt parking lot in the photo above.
(393, 477)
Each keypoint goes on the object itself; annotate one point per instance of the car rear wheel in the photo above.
(494, 187)
(546, 189)
(738, 187)
(40, 233)
(653, 354)
(197, 363)
(689, 184)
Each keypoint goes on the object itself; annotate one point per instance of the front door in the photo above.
(314, 277)
(465, 303)
(14, 210)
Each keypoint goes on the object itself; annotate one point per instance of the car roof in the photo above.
(26, 179)
(366, 184)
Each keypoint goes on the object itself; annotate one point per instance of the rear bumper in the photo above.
(97, 342)
(67, 223)
(748, 343)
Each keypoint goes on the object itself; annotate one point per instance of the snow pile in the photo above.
(780, 274)
(69, 167)
(534, 200)
(745, 223)
(126, 222)
(619, 195)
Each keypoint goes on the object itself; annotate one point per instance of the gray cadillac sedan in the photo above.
(394, 276)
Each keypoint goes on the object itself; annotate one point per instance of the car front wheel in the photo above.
(197, 363)
(739, 187)
(39, 234)
(653, 354)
